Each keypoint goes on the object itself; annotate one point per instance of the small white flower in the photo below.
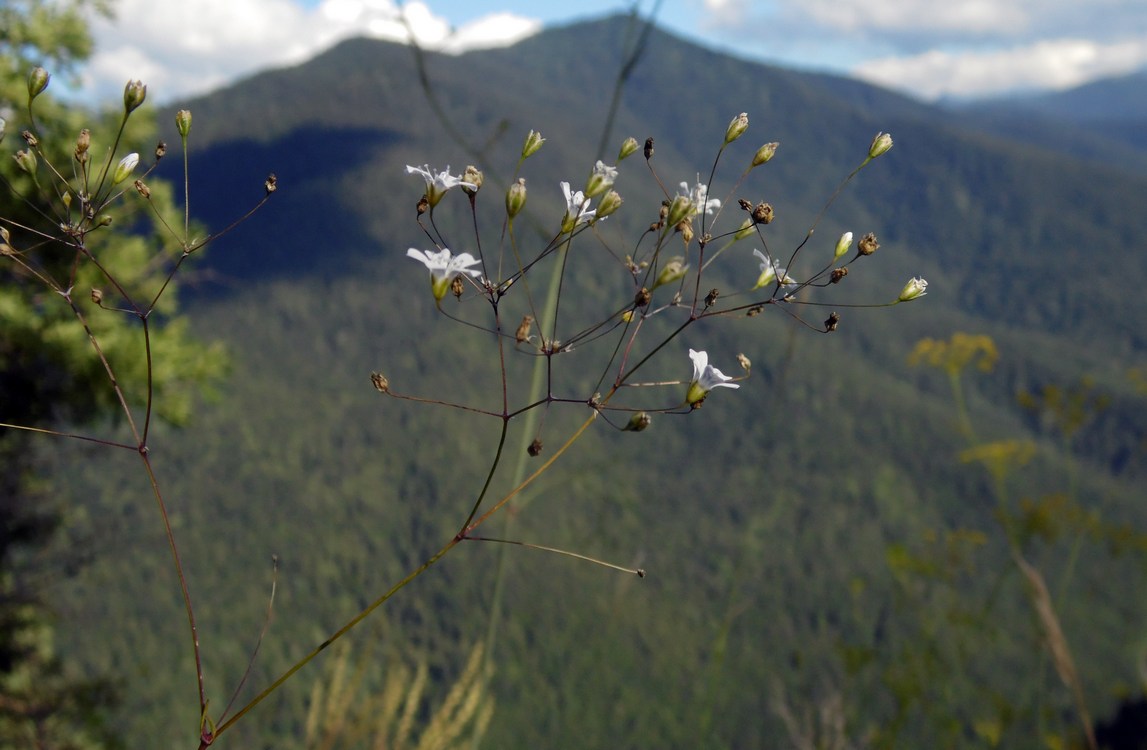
(444, 268)
(437, 184)
(698, 195)
(916, 287)
(771, 271)
(705, 378)
(577, 208)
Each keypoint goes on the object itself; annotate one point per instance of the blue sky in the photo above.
(926, 48)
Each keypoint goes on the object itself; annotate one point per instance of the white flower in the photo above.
(438, 184)
(705, 378)
(916, 287)
(771, 271)
(444, 268)
(577, 208)
(698, 195)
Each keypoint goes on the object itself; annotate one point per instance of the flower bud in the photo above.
(679, 210)
(880, 144)
(26, 161)
(133, 95)
(533, 142)
(600, 180)
(746, 230)
(83, 142)
(765, 154)
(867, 244)
(516, 197)
(674, 270)
(638, 422)
(37, 82)
(627, 147)
(610, 202)
(737, 126)
(472, 176)
(916, 287)
(842, 245)
(686, 229)
(183, 122)
(3, 125)
(523, 333)
(125, 167)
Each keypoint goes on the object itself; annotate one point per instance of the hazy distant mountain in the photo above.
(1103, 121)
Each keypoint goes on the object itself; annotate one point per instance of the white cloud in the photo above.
(1051, 64)
(192, 46)
(963, 16)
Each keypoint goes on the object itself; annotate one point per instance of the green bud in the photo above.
(638, 422)
(533, 142)
(672, 271)
(842, 245)
(183, 122)
(914, 289)
(737, 127)
(600, 180)
(628, 147)
(679, 210)
(516, 197)
(765, 154)
(26, 161)
(610, 202)
(880, 144)
(133, 95)
(746, 230)
(37, 82)
(125, 167)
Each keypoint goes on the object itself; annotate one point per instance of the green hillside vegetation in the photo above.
(814, 544)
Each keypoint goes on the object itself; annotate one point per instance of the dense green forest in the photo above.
(825, 562)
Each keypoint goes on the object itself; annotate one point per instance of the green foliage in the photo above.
(85, 308)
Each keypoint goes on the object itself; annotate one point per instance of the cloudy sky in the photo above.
(927, 48)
